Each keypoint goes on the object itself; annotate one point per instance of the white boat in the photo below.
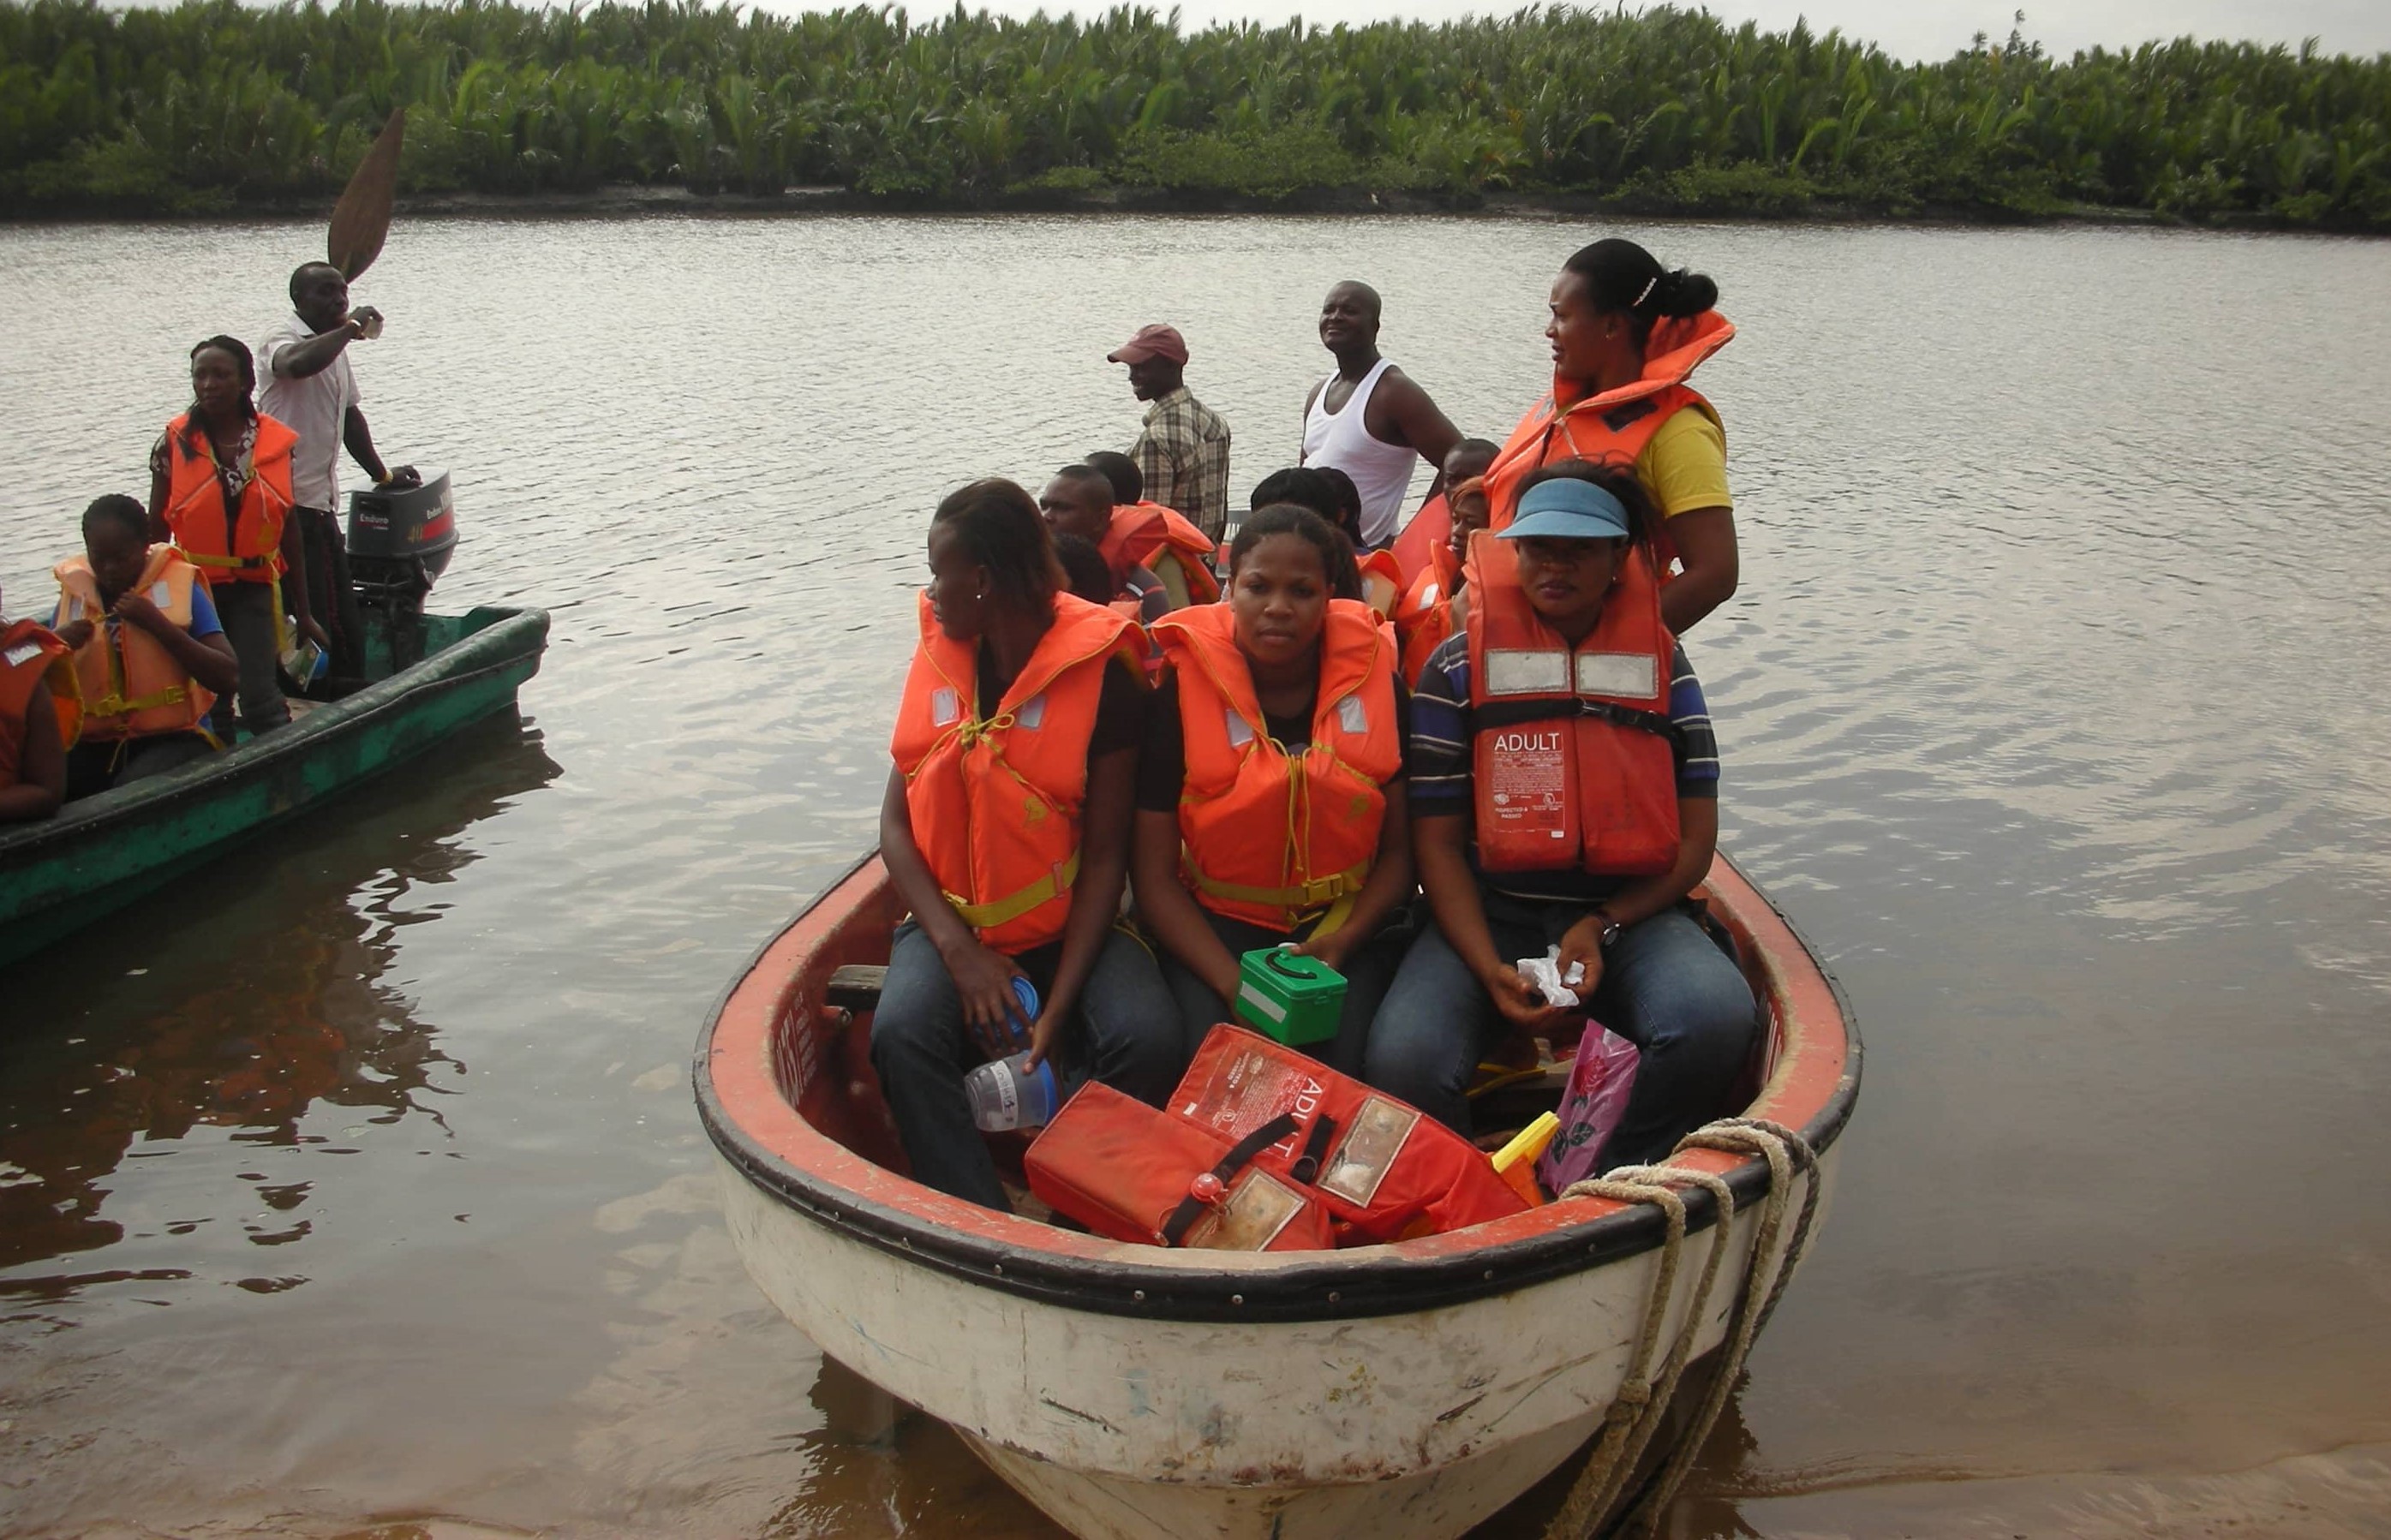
(1403, 1392)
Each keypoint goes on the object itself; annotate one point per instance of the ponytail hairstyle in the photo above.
(1000, 529)
(1623, 277)
(1287, 518)
(1618, 480)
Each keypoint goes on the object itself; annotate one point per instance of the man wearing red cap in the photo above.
(1184, 451)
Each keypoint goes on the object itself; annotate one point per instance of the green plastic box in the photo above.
(1296, 1000)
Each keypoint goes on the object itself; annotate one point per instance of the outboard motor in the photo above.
(400, 540)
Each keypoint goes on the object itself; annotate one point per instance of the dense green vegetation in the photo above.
(215, 104)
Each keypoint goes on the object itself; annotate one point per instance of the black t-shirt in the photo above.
(1119, 716)
(1162, 764)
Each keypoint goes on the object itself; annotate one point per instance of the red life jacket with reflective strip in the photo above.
(1269, 837)
(132, 685)
(995, 801)
(32, 654)
(1148, 534)
(1425, 617)
(1575, 759)
(1614, 427)
(1382, 582)
(243, 543)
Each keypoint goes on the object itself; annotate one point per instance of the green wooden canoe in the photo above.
(104, 851)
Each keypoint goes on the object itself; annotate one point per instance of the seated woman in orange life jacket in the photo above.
(1565, 674)
(148, 649)
(38, 719)
(1079, 501)
(1269, 796)
(1005, 828)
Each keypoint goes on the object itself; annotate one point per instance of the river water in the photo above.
(357, 1189)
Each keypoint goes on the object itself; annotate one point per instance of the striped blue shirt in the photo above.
(1439, 757)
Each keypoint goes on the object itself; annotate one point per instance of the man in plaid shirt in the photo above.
(1184, 451)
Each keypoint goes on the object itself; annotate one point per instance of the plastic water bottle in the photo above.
(1007, 1094)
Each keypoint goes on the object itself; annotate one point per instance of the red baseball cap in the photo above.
(1151, 342)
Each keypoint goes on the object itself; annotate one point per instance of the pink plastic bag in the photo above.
(1598, 1085)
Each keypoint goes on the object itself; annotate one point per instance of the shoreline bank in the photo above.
(632, 199)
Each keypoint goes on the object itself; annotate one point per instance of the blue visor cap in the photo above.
(1567, 509)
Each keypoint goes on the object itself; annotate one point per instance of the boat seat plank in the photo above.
(855, 987)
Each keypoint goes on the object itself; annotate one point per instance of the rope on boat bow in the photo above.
(1644, 1395)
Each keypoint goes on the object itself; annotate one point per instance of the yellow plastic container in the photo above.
(1516, 1162)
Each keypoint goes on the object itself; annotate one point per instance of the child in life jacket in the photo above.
(1430, 604)
(1564, 784)
(1078, 502)
(38, 713)
(149, 651)
(1271, 805)
(1005, 828)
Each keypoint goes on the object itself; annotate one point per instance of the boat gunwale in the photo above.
(453, 664)
(1080, 1271)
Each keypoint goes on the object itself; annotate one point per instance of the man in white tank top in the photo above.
(1369, 418)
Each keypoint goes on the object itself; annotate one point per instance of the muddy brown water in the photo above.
(356, 1189)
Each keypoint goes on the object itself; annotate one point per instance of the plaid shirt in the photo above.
(1183, 455)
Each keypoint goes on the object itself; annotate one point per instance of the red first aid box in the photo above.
(1383, 1168)
(1127, 1171)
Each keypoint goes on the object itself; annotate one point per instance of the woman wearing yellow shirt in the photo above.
(1625, 333)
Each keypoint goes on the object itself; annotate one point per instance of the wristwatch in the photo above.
(1611, 928)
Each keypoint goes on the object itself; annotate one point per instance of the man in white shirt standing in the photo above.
(1370, 420)
(309, 387)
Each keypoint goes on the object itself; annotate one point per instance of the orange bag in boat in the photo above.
(1129, 1171)
(1383, 1168)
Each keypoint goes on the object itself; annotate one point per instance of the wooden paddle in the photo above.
(361, 218)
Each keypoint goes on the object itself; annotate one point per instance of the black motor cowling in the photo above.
(400, 540)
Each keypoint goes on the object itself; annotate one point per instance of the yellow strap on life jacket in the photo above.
(1013, 906)
(117, 706)
(1338, 887)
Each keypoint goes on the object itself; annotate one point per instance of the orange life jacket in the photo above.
(1148, 534)
(132, 685)
(1425, 617)
(1382, 581)
(245, 543)
(1612, 428)
(1269, 838)
(995, 800)
(1575, 762)
(31, 654)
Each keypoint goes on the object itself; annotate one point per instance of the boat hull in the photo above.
(1405, 1392)
(1404, 1426)
(106, 851)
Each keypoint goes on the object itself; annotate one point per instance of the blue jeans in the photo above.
(1666, 988)
(923, 1050)
(1368, 973)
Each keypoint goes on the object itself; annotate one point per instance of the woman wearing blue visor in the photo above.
(1564, 792)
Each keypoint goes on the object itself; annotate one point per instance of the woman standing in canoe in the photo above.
(1006, 830)
(1270, 798)
(1625, 333)
(220, 490)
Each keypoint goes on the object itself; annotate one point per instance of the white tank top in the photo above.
(1341, 439)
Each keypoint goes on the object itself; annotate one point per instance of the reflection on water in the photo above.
(265, 1051)
(364, 1193)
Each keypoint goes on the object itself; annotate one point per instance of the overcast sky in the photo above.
(1907, 28)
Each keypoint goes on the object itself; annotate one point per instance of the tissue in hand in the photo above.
(1545, 973)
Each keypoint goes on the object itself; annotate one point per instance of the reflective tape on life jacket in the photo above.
(1614, 427)
(243, 542)
(995, 800)
(1148, 534)
(1575, 757)
(1269, 837)
(132, 685)
(32, 654)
